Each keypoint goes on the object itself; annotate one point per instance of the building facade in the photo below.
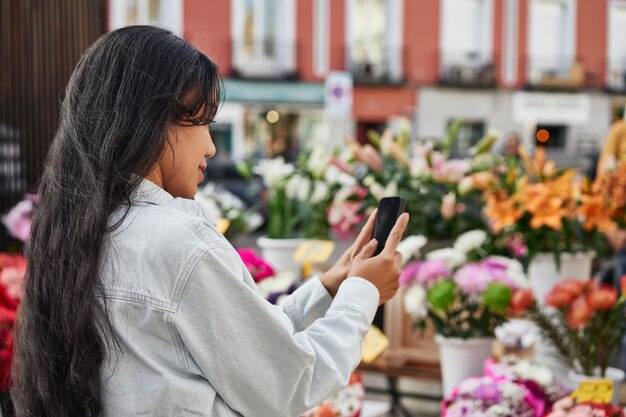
(515, 65)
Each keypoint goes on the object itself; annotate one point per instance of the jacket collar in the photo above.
(149, 192)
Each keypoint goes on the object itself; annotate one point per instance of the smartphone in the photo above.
(389, 209)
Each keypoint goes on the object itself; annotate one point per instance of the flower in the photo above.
(321, 191)
(453, 170)
(452, 257)
(298, 187)
(522, 299)
(274, 171)
(474, 278)
(410, 247)
(258, 268)
(19, 219)
(602, 298)
(579, 314)
(416, 302)
(469, 241)
(448, 206)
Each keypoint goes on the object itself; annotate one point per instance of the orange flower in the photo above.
(602, 298)
(574, 287)
(501, 213)
(483, 180)
(522, 300)
(579, 314)
(596, 214)
(559, 299)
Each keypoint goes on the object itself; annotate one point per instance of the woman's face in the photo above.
(181, 167)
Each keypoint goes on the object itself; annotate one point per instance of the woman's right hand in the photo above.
(384, 269)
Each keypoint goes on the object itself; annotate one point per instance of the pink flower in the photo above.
(258, 268)
(409, 273)
(18, 221)
(12, 279)
(474, 278)
(432, 271)
(451, 171)
(448, 206)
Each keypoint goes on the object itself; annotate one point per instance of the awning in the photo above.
(275, 92)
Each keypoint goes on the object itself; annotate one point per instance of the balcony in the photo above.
(467, 70)
(370, 65)
(616, 80)
(557, 73)
(267, 59)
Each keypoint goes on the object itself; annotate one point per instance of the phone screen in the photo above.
(389, 209)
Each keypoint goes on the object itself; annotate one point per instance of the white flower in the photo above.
(469, 241)
(534, 371)
(419, 167)
(274, 171)
(410, 247)
(317, 162)
(466, 185)
(391, 189)
(320, 192)
(253, 220)
(416, 302)
(452, 257)
(298, 188)
(334, 175)
(377, 190)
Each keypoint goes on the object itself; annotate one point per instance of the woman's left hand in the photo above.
(333, 278)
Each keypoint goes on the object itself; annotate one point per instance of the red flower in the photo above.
(325, 410)
(522, 300)
(622, 284)
(602, 298)
(579, 314)
(564, 293)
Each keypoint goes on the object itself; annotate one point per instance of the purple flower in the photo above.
(430, 272)
(475, 277)
(409, 273)
(18, 221)
(487, 391)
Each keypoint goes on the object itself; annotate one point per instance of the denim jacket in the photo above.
(193, 335)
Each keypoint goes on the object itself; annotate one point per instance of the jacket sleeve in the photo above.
(307, 303)
(250, 351)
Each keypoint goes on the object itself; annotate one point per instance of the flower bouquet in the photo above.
(604, 202)
(566, 407)
(463, 296)
(585, 322)
(539, 207)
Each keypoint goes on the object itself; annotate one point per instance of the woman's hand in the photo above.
(384, 269)
(333, 278)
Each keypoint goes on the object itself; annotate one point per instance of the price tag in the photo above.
(597, 391)
(314, 252)
(374, 344)
(223, 225)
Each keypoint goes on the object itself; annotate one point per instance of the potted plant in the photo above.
(465, 294)
(537, 209)
(584, 321)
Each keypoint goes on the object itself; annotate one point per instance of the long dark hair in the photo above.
(125, 92)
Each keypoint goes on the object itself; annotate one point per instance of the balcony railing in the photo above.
(268, 58)
(467, 70)
(616, 80)
(371, 65)
(556, 72)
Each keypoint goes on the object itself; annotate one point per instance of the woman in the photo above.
(134, 304)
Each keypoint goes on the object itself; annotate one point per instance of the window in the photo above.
(551, 43)
(556, 138)
(167, 14)
(466, 39)
(263, 33)
(375, 40)
(470, 133)
(616, 77)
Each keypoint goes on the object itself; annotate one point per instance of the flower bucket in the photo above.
(279, 252)
(613, 374)
(461, 359)
(544, 274)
